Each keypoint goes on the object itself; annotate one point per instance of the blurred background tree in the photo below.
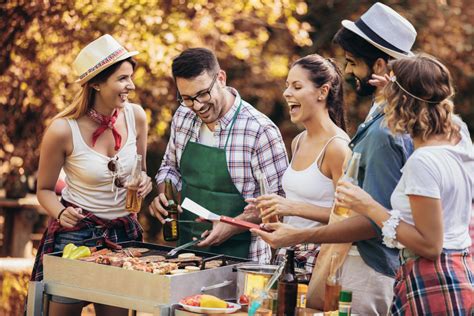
(255, 41)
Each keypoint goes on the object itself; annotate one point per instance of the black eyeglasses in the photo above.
(112, 165)
(201, 97)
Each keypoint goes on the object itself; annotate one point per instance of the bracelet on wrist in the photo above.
(60, 213)
(389, 230)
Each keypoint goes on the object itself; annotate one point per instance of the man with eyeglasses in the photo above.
(218, 144)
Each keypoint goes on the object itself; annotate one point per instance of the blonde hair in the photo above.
(84, 99)
(80, 104)
(419, 98)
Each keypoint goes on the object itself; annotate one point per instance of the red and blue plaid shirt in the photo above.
(255, 145)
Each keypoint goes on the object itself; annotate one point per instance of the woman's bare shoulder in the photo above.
(59, 129)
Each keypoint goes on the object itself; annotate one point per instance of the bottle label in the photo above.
(344, 309)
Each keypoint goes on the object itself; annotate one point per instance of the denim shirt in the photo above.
(382, 157)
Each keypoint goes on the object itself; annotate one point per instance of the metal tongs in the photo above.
(256, 303)
(174, 251)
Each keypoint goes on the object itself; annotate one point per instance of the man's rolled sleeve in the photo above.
(169, 166)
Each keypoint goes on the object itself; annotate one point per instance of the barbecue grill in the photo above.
(135, 290)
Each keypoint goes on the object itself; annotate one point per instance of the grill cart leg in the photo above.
(132, 312)
(35, 299)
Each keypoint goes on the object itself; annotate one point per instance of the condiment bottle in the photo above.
(345, 300)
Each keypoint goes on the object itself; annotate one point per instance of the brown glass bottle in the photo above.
(333, 286)
(171, 226)
(287, 286)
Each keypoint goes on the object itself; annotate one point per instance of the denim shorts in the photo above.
(77, 238)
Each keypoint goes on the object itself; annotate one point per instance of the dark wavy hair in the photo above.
(323, 71)
(194, 61)
(359, 47)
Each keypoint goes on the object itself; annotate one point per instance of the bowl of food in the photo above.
(208, 304)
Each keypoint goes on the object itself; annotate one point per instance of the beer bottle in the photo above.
(350, 175)
(288, 286)
(264, 189)
(133, 202)
(333, 286)
(171, 225)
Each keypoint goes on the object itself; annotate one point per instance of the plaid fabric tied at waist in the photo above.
(440, 287)
(305, 256)
(132, 227)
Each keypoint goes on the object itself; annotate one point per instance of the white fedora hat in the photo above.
(384, 28)
(98, 55)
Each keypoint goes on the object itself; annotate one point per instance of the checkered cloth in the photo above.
(255, 145)
(132, 227)
(441, 287)
(305, 256)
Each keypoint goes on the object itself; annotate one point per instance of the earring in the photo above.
(97, 89)
(320, 99)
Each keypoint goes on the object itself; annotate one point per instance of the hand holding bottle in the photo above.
(353, 197)
(274, 206)
(350, 175)
(171, 224)
(158, 207)
(145, 185)
(265, 190)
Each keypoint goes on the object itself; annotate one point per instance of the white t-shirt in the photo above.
(441, 172)
(206, 136)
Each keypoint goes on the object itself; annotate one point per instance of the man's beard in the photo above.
(365, 88)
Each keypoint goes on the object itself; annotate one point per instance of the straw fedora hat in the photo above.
(384, 28)
(98, 55)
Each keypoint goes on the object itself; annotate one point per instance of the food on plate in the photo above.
(212, 301)
(204, 300)
(243, 299)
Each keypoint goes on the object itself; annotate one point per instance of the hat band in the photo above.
(103, 62)
(376, 38)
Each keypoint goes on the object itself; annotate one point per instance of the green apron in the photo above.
(206, 181)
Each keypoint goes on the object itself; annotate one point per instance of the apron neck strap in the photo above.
(234, 118)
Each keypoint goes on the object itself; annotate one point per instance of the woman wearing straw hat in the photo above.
(95, 140)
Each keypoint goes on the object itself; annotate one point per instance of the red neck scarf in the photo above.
(105, 123)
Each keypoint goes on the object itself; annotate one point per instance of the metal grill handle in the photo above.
(216, 286)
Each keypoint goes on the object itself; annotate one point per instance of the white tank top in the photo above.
(90, 182)
(310, 186)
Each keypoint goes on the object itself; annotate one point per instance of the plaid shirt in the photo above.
(255, 145)
(132, 227)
